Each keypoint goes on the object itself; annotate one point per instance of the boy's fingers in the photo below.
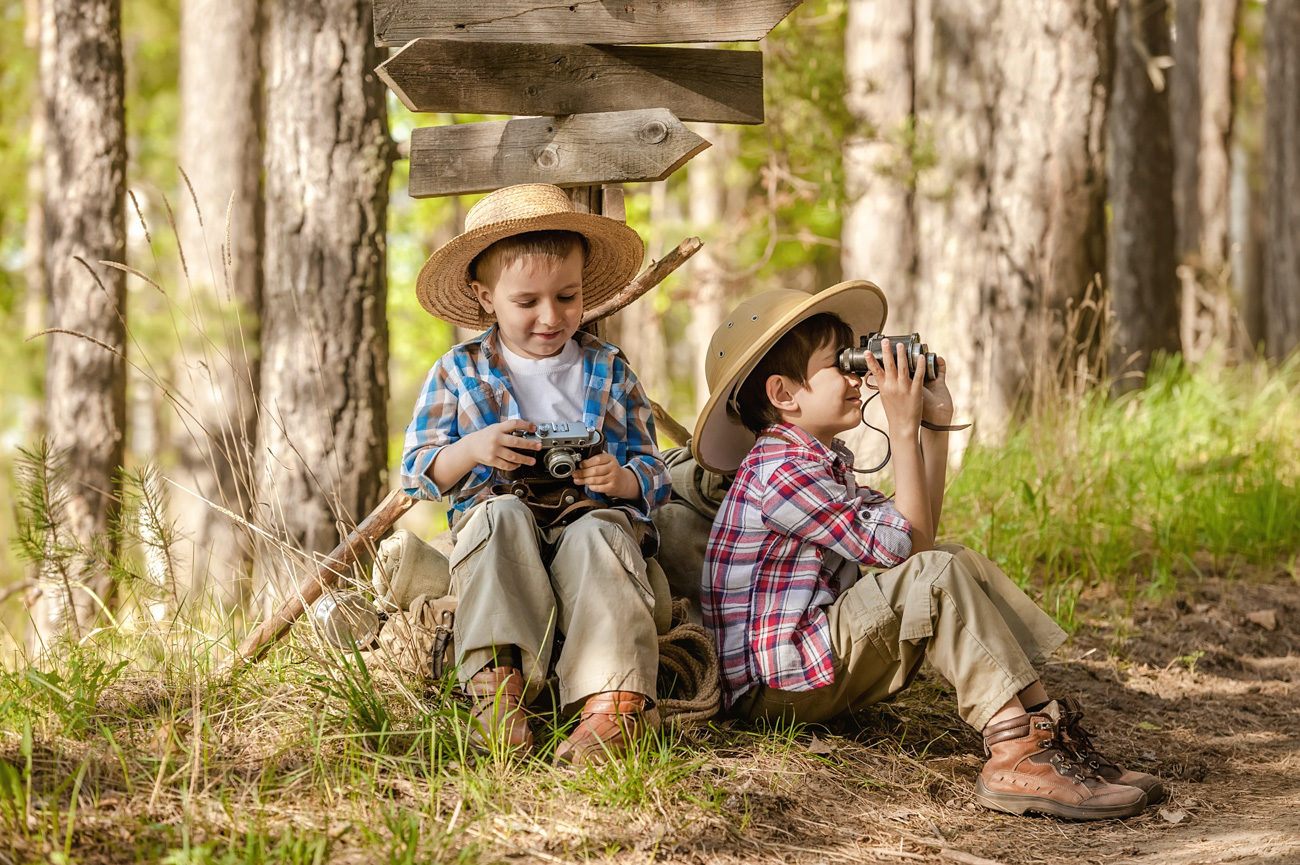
(888, 354)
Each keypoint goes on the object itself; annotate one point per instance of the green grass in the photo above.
(135, 746)
(1196, 473)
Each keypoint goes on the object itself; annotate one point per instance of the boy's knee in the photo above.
(508, 512)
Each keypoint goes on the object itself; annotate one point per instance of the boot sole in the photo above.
(1021, 803)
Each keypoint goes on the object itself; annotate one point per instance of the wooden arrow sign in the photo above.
(580, 149)
(509, 78)
(588, 21)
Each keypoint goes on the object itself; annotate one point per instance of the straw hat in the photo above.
(721, 441)
(614, 251)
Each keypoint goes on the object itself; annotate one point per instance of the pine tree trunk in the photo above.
(1201, 111)
(322, 435)
(1142, 281)
(85, 189)
(712, 209)
(1011, 97)
(879, 231)
(221, 153)
(1282, 267)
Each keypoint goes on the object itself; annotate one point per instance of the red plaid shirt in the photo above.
(786, 542)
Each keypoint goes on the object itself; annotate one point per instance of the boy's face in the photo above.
(830, 402)
(538, 303)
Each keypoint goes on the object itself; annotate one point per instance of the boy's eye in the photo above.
(567, 298)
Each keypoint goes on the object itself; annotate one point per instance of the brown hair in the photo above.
(789, 358)
(556, 245)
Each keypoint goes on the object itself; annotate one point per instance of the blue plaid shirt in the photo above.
(469, 389)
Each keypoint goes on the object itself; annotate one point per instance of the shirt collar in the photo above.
(799, 437)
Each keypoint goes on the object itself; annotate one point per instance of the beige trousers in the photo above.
(950, 605)
(518, 584)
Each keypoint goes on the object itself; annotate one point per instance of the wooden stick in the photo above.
(380, 520)
(668, 425)
(951, 855)
(656, 273)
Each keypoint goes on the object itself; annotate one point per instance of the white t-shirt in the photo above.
(547, 389)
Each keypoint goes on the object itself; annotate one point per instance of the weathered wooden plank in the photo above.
(577, 150)
(589, 21)
(703, 84)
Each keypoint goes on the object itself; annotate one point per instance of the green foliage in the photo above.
(1198, 471)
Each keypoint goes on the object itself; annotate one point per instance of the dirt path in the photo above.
(1200, 689)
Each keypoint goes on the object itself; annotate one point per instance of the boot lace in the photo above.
(1078, 741)
(1065, 760)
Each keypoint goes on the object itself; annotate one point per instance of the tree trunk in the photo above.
(879, 230)
(35, 304)
(1282, 267)
(713, 209)
(322, 437)
(85, 189)
(1201, 103)
(221, 153)
(1012, 98)
(1143, 284)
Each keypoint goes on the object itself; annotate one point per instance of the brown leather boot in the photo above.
(499, 719)
(609, 722)
(1079, 743)
(1030, 770)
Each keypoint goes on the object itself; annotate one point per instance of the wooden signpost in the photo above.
(576, 150)
(693, 83)
(609, 114)
(599, 22)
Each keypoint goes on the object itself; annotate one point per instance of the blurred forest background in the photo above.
(1061, 196)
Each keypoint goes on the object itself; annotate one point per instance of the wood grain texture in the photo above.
(590, 21)
(530, 79)
(581, 149)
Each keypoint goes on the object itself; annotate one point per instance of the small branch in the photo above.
(380, 520)
(668, 425)
(648, 279)
(951, 855)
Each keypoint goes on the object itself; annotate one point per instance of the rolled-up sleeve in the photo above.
(805, 501)
(433, 427)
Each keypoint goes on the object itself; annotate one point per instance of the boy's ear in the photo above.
(484, 295)
(780, 393)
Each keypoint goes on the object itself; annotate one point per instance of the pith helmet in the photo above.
(721, 440)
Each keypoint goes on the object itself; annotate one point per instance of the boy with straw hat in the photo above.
(802, 632)
(526, 268)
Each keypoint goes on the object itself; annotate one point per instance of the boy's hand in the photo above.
(495, 446)
(938, 400)
(602, 474)
(900, 396)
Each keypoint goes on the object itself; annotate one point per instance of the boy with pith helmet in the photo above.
(802, 631)
(526, 268)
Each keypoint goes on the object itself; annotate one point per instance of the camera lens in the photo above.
(560, 462)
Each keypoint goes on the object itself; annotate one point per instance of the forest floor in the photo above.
(1199, 687)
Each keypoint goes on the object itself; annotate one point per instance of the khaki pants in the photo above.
(951, 605)
(518, 584)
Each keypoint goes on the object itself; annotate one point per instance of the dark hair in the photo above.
(789, 358)
(557, 245)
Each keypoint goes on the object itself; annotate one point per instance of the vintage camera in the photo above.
(564, 445)
(854, 360)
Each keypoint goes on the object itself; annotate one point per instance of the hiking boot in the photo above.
(1079, 743)
(609, 723)
(1030, 770)
(498, 716)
